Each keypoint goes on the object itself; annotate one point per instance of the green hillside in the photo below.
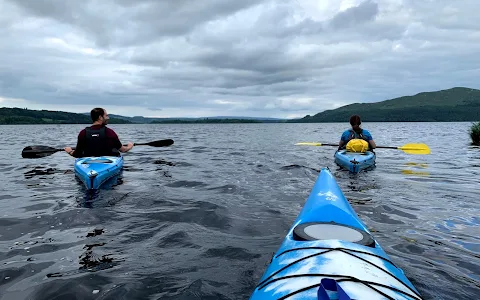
(12, 116)
(456, 104)
(216, 119)
(27, 116)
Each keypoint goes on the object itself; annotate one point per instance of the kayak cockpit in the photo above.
(94, 171)
(97, 161)
(313, 231)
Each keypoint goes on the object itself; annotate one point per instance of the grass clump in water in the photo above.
(475, 134)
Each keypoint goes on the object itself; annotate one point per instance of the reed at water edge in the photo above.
(475, 134)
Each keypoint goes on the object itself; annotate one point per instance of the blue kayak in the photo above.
(329, 253)
(94, 171)
(355, 162)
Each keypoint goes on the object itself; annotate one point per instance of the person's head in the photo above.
(99, 115)
(355, 121)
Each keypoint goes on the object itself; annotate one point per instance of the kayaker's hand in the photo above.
(126, 148)
(68, 150)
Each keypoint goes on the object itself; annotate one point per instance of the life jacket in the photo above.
(354, 135)
(96, 142)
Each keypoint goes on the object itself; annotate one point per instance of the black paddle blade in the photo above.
(160, 143)
(38, 151)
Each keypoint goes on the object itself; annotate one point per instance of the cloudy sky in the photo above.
(193, 58)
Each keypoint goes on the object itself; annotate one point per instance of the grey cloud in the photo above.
(232, 81)
(365, 11)
(446, 14)
(255, 56)
(133, 22)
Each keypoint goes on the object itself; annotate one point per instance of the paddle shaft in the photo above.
(73, 148)
(335, 145)
(407, 148)
(383, 147)
(135, 144)
(159, 143)
(42, 151)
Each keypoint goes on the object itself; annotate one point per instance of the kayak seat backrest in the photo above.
(356, 153)
(98, 161)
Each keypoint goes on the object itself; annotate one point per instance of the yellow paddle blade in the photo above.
(415, 149)
(309, 144)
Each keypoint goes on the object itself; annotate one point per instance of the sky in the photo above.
(261, 58)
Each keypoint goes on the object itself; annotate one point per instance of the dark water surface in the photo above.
(201, 219)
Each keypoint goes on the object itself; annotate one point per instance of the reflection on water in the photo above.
(95, 198)
(417, 173)
(415, 164)
(201, 219)
(415, 169)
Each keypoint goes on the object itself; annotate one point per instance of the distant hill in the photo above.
(28, 116)
(208, 120)
(142, 120)
(455, 104)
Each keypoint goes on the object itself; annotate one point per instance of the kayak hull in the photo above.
(95, 171)
(355, 162)
(339, 264)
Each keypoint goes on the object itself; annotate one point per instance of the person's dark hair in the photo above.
(96, 113)
(355, 121)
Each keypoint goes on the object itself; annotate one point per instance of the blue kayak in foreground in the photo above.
(355, 162)
(94, 171)
(329, 253)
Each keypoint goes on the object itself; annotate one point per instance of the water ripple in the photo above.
(202, 218)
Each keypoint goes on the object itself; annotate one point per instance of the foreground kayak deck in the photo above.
(355, 162)
(329, 253)
(94, 171)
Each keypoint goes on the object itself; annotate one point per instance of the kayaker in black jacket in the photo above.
(98, 139)
(356, 132)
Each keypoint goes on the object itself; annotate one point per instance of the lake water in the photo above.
(202, 218)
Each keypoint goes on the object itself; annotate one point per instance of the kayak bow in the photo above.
(329, 253)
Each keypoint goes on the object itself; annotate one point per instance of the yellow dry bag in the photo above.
(357, 145)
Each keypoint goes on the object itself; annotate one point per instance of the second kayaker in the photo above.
(98, 139)
(356, 133)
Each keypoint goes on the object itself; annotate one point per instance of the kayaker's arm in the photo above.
(371, 142)
(78, 150)
(340, 144)
(73, 152)
(126, 148)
